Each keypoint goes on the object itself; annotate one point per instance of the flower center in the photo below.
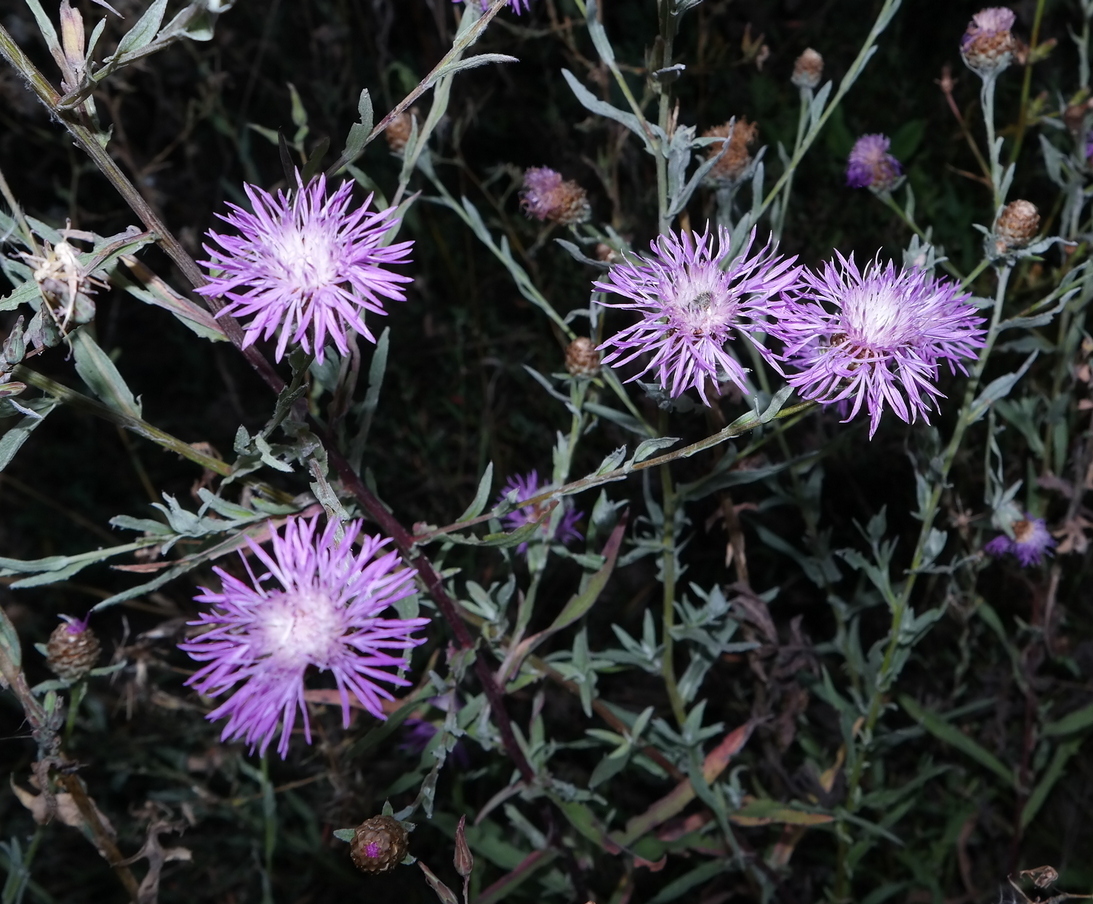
(309, 259)
(372, 849)
(303, 627)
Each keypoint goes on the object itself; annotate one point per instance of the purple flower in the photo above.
(526, 486)
(875, 337)
(309, 266)
(691, 299)
(1031, 541)
(987, 46)
(321, 611)
(870, 165)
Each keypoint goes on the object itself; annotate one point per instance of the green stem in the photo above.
(664, 110)
(1026, 81)
(779, 223)
(888, 673)
(986, 96)
(668, 581)
(890, 202)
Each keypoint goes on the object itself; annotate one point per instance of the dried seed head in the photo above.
(808, 69)
(546, 196)
(988, 46)
(731, 167)
(398, 131)
(1017, 226)
(73, 650)
(379, 845)
(581, 358)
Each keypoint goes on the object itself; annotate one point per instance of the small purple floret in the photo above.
(306, 266)
(517, 6)
(870, 165)
(987, 23)
(875, 337)
(526, 486)
(1030, 543)
(692, 301)
(316, 604)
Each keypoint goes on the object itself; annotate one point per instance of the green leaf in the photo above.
(477, 505)
(1079, 720)
(101, 376)
(954, 737)
(143, 33)
(33, 414)
(1051, 775)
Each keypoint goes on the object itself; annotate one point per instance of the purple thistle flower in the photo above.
(546, 196)
(309, 266)
(691, 299)
(1030, 543)
(870, 165)
(875, 337)
(324, 613)
(526, 486)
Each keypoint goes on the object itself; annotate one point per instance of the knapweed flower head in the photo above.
(808, 69)
(870, 165)
(1017, 225)
(732, 166)
(526, 486)
(1030, 543)
(875, 337)
(317, 604)
(305, 266)
(547, 196)
(693, 300)
(987, 46)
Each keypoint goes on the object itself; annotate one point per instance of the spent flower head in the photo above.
(988, 46)
(317, 604)
(734, 163)
(306, 266)
(692, 300)
(875, 337)
(526, 486)
(870, 165)
(1030, 542)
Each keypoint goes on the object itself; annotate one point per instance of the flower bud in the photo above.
(398, 131)
(546, 196)
(1017, 226)
(988, 46)
(73, 650)
(379, 844)
(581, 358)
(464, 859)
(808, 69)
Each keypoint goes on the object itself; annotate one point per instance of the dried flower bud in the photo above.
(606, 253)
(73, 650)
(988, 46)
(464, 859)
(546, 196)
(808, 69)
(1017, 226)
(398, 131)
(731, 167)
(379, 844)
(581, 358)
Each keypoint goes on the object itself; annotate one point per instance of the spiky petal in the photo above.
(875, 337)
(317, 604)
(306, 267)
(693, 300)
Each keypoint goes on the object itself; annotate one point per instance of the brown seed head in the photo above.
(1017, 226)
(808, 70)
(731, 167)
(988, 46)
(72, 651)
(398, 131)
(379, 845)
(581, 358)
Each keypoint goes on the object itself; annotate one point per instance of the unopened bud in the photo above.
(73, 650)
(464, 859)
(808, 70)
(398, 131)
(581, 358)
(1017, 226)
